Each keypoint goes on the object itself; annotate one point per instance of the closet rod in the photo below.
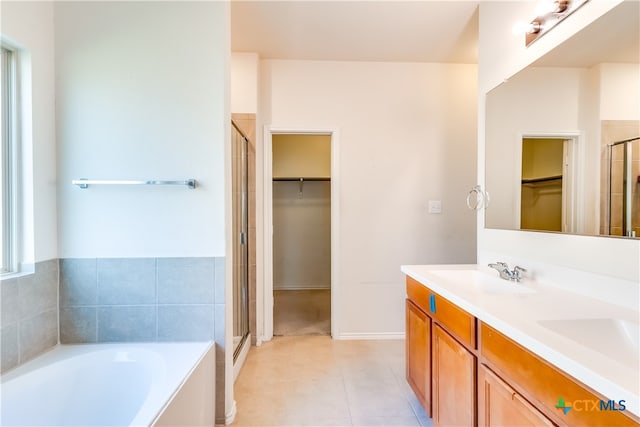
(301, 179)
(543, 179)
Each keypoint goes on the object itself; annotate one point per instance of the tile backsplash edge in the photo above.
(29, 304)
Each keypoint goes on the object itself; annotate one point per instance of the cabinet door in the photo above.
(453, 381)
(418, 356)
(499, 405)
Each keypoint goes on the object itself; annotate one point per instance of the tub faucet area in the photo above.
(514, 275)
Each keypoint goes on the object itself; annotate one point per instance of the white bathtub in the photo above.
(113, 385)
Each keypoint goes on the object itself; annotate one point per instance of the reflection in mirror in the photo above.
(542, 198)
(623, 213)
(585, 97)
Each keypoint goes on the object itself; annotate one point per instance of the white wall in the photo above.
(301, 156)
(244, 82)
(141, 94)
(500, 56)
(407, 135)
(301, 235)
(29, 26)
(617, 82)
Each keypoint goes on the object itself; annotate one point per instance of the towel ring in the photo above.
(477, 198)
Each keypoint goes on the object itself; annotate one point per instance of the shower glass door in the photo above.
(240, 184)
(624, 191)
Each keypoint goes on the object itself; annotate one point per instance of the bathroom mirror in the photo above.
(573, 105)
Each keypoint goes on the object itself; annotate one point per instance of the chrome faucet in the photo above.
(506, 274)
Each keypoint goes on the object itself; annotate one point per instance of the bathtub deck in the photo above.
(103, 384)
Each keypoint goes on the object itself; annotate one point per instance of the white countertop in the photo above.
(575, 333)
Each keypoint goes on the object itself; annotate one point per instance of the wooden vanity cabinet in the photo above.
(453, 381)
(542, 384)
(466, 373)
(500, 405)
(441, 364)
(418, 346)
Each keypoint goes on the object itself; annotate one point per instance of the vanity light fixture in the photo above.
(521, 27)
(544, 7)
(548, 13)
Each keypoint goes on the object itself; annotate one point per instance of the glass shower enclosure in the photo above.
(240, 184)
(624, 188)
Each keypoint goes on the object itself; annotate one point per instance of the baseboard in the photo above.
(372, 336)
(231, 415)
(304, 288)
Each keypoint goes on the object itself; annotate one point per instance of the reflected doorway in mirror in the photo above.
(548, 183)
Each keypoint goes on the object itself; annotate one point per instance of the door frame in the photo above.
(264, 293)
(572, 182)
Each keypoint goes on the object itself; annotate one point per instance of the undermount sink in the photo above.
(616, 338)
(484, 281)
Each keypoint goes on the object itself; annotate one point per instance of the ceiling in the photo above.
(362, 30)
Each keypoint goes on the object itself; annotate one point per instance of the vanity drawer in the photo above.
(543, 384)
(456, 321)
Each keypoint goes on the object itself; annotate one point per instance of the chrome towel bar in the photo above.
(85, 183)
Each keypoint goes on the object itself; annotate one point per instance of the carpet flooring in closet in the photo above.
(302, 312)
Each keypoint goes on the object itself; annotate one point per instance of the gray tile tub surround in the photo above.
(140, 299)
(29, 314)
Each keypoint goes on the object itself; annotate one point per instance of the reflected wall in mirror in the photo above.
(585, 94)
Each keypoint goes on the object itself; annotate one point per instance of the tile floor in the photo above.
(316, 381)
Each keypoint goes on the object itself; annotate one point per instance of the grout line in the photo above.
(19, 322)
(96, 286)
(57, 265)
(346, 393)
(97, 328)
(157, 300)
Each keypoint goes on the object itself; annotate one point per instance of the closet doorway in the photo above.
(302, 212)
(548, 187)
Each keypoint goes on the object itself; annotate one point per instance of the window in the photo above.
(7, 161)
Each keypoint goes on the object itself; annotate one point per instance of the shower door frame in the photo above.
(264, 293)
(241, 239)
(627, 185)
